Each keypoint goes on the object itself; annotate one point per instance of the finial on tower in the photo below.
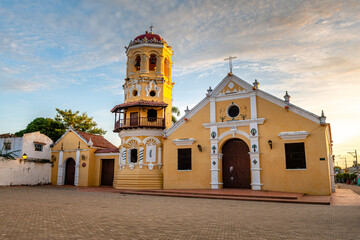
(230, 58)
(151, 27)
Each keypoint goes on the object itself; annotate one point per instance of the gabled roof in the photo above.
(218, 90)
(108, 150)
(139, 103)
(248, 89)
(97, 140)
(89, 139)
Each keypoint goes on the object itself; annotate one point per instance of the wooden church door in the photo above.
(107, 172)
(236, 164)
(70, 172)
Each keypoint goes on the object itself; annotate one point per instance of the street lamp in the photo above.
(24, 156)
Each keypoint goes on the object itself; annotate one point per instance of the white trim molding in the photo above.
(184, 141)
(106, 154)
(234, 123)
(233, 132)
(294, 135)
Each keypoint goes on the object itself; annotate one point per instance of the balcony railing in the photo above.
(139, 122)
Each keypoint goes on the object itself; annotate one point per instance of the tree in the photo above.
(51, 128)
(175, 111)
(79, 122)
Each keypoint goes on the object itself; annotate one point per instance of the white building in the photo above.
(36, 145)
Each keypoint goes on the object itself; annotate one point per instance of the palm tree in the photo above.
(176, 112)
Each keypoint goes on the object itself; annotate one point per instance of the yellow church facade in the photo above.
(241, 137)
(237, 136)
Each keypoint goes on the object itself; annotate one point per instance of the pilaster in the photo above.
(60, 178)
(77, 164)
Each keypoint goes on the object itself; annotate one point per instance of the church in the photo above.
(237, 136)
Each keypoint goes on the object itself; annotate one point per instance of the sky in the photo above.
(70, 55)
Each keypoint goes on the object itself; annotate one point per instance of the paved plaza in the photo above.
(67, 213)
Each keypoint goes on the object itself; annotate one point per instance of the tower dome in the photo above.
(148, 36)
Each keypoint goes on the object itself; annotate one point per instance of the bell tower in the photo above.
(145, 113)
(148, 73)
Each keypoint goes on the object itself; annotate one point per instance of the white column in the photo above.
(253, 106)
(159, 157)
(255, 171)
(60, 169)
(77, 163)
(212, 110)
(120, 156)
(331, 169)
(214, 158)
(141, 156)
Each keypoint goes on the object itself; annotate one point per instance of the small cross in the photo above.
(151, 27)
(230, 58)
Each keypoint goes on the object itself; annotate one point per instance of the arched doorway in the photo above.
(236, 164)
(70, 172)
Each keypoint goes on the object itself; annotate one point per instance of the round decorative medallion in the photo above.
(233, 111)
(83, 165)
(231, 85)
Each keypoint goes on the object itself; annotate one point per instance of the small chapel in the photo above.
(237, 136)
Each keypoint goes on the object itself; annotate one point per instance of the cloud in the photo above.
(16, 85)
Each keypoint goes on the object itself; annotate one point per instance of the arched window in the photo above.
(152, 62)
(152, 115)
(137, 63)
(133, 155)
(167, 67)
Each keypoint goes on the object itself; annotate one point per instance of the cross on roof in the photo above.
(151, 27)
(230, 58)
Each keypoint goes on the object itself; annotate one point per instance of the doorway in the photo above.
(69, 172)
(236, 164)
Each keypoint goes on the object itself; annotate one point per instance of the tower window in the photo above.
(135, 93)
(152, 93)
(152, 115)
(152, 62)
(133, 155)
(137, 62)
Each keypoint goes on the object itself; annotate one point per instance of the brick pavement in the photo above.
(354, 188)
(66, 213)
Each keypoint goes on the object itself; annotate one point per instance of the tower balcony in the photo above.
(139, 114)
(139, 122)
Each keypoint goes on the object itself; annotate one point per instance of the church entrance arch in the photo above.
(69, 171)
(236, 164)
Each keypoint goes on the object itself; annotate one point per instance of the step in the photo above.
(247, 198)
(254, 195)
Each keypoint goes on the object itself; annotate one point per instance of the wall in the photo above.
(14, 172)
(314, 179)
(16, 145)
(29, 147)
(199, 175)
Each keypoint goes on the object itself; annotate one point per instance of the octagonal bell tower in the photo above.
(145, 113)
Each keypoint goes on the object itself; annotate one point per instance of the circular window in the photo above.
(135, 93)
(152, 93)
(233, 111)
